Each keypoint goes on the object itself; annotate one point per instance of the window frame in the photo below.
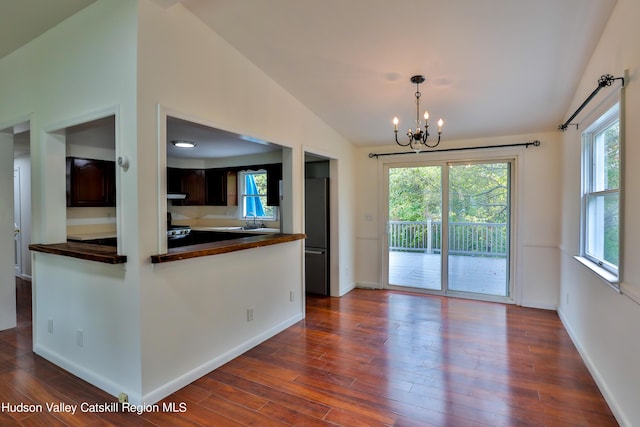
(242, 195)
(603, 119)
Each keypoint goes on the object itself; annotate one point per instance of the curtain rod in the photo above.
(535, 143)
(604, 81)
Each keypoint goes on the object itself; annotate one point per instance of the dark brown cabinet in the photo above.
(91, 182)
(216, 187)
(274, 175)
(174, 180)
(193, 185)
(210, 187)
(188, 181)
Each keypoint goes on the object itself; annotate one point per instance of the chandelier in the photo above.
(418, 138)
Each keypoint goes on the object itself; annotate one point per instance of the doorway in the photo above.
(14, 254)
(448, 228)
(320, 202)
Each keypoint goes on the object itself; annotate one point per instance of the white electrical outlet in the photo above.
(50, 326)
(80, 337)
(292, 296)
(249, 314)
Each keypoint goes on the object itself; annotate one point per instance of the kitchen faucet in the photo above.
(248, 224)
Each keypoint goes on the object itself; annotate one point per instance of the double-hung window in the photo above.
(601, 185)
(252, 189)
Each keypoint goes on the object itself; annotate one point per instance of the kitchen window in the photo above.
(601, 195)
(252, 190)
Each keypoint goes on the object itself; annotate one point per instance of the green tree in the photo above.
(414, 193)
(477, 193)
(611, 217)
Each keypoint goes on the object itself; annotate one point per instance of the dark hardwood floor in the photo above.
(370, 358)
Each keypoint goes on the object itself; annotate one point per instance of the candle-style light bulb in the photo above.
(440, 123)
(426, 116)
(395, 124)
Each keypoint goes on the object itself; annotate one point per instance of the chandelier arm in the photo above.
(399, 143)
(425, 134)
(434, 145)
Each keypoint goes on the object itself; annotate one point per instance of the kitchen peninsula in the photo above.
(108, 254)
(225, 246)
(87, 251)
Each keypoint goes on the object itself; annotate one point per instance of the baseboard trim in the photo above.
(540, 305)
(135, 398)
(88, 375)
(595, 373)
(367, 285)
(189, 377)
(347, 289)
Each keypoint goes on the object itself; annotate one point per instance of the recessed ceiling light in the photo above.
(181, 143)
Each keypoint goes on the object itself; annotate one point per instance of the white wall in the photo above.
(536, 221)
(193, 313)
(148, 329)
(603, 323)
(71, 74)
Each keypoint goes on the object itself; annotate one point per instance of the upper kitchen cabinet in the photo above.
(90, 163)
(216, 187)
(193, 186)
(201, 186)
(90, 183)
(274, 176)
(188, 181)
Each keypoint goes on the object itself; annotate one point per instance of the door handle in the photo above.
(313, 252)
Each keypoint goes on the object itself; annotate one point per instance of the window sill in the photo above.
(604, 275)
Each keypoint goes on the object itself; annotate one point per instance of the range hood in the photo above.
(176, 196)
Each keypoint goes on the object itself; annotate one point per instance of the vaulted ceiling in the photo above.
(493, 67)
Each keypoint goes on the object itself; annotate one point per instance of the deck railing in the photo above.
(465, 238)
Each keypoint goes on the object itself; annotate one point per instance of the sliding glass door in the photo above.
(479, 208)
(414, 228)
(465, 251)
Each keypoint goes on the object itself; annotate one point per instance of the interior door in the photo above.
(17, 235)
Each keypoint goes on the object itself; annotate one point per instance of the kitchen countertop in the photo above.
(226, 246)
(263, 230)
(87, 251)
(109, 254)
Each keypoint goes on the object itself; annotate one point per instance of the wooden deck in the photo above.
(481, 275)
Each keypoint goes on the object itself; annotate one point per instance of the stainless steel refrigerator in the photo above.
(317, 230)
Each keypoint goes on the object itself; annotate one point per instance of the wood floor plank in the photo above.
(369, 358)
(291, 416)
(194, 414)
(238, 413)
(299, 403)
